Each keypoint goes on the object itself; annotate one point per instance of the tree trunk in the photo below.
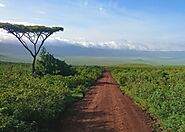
(33, 66)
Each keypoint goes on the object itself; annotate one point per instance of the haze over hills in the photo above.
(65, 49)
(78, 54)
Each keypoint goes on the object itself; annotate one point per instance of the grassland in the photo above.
(103, 61)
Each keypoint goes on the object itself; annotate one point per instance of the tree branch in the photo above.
(38, 36)
(27, 35)
(35, 43)
(43, 42)
(22, 42)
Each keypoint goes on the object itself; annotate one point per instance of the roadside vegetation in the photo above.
(31, 103)
(160, 90)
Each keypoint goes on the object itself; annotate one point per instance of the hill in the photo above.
(75, 54)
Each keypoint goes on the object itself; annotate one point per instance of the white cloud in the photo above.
(123, 44)
(120, 45)
(4, 36)
(100, 9)
(2, 5)
(42, 12)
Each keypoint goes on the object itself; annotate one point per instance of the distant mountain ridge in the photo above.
(64, 49)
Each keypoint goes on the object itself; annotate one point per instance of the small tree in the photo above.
(37, 35)
(48, 64)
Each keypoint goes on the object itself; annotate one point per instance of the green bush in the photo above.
(48, 64)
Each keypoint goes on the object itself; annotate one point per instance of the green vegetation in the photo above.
(109, 61)
(25, 29)
(160, 90)
(30, 103)
(48, 64)
(103, 61)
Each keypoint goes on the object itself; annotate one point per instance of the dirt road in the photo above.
(105, 109)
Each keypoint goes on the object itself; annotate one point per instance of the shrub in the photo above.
(48, 64)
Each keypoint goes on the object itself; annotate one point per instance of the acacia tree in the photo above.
(36, 35)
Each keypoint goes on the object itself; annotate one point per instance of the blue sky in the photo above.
(132, 24)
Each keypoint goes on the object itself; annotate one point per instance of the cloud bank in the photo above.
(113, 44)
(123, 44)
(2, 5)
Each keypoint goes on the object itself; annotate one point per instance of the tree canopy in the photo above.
(25, 29)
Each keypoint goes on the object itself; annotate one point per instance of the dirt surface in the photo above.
(105, 109)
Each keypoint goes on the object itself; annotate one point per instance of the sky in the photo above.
(116, 24)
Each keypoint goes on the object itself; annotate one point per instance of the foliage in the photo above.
(24, 29)
(30, 103)
(160, 90)
(48, 64)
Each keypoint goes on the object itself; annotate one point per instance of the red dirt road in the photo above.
(105, 109)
